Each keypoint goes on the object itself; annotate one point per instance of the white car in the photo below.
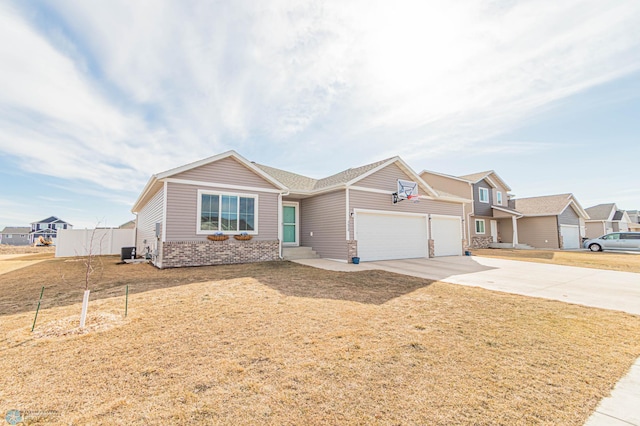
(614, 241)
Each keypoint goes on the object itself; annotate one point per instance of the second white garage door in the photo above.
(446, 232)
(570, 236)
(390, 236)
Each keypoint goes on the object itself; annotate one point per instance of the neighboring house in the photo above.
(15, 235)
(634, 220)
(488, 216)
(494, 216)
(347, 214)
(128, 225)
(493, 220)
(47, 228)
(606, 218)
(453, 186)
(551, 221)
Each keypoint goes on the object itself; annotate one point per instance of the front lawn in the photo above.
(610, 260)
(280, 343)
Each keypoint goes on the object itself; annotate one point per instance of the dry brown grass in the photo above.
(7, 249)
(280, 343)
(598, 260)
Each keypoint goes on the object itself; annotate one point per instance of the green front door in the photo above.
(289, 225)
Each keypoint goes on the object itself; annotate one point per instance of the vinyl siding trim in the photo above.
(221, 185)
(164, 213)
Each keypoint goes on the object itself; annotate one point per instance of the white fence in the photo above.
(77, 242)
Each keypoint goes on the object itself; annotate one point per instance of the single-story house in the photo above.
(552, 221)
(15, 235)
(350, 214)
(606, 218)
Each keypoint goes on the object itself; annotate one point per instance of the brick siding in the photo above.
(201, 253)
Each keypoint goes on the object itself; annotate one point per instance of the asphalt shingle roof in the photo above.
(601, 211)
(546, 205)
(296, 182)
(16, 230)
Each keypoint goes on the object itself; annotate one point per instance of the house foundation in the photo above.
(177, 254)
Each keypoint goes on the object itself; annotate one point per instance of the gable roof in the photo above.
(618, 215)
(490, 175)
(16, 230)
(549, 205)
(601, 211)
(154, 183)
(300, 183)
(50, 219)
(293, 182)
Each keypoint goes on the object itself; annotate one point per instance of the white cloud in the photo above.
(179, 81)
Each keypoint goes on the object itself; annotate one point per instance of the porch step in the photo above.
(510, 245)
(293, 253)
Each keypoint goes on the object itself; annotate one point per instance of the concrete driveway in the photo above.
(584, 286)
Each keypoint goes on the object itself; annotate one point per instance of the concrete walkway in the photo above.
(589, 287)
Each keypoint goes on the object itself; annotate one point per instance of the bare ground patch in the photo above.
(316, 348)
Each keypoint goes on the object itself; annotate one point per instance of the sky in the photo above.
(95, 97)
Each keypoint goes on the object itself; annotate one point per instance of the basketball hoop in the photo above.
(407, 190)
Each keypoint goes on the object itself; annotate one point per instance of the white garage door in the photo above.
(570, 236)
(447, 235)
(390, 236)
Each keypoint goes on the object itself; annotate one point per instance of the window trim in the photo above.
(499, 198)
(202, 192)
(480, 191)
(484, 228)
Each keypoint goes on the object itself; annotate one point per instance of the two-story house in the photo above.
(47, 229)
(495, 218)
(15, 235)
(488, 216)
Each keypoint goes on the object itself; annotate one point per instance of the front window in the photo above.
(611, 237)
(479, 226)
(484, 195)
(499, 198)
(226, 213)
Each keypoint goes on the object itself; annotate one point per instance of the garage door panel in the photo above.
(570, 236)
(390, 236)
(447, 236)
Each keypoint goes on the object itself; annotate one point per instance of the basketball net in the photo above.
(414, 198)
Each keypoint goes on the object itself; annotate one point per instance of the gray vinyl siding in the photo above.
(325, 216)
(226, 171)
(376, 201)
(482, 209)
(182, 212)
(539, 232)
(15, 239)
(569, 217)
(146, 221)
